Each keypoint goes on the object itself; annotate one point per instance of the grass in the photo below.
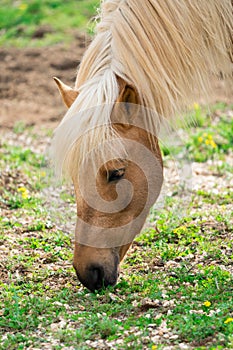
(42, 23)
(176, 282)
(211, 143)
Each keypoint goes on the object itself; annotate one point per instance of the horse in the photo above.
(147, 62)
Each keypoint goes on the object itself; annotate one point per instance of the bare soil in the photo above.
(28, 92)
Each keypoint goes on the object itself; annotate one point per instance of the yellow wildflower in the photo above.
(228, 320)
(200, 139)
(24, 195)
(24, 192)
(22, 189)
(210, 137)
(154, 347)
(207, 142)
(205, 134)
(207, 303)
(213, 144)
(23, 7)
(196, 106)
(42, 173)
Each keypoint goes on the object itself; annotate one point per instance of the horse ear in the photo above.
(127, 107)
(128, 96)
(68, 94)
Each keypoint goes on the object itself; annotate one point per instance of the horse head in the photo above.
(114, 198)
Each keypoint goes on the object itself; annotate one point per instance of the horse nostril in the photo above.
(96, 277)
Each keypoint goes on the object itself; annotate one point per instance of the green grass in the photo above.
(176, 284)
(208, 139)
(215, 140)
(20, 21)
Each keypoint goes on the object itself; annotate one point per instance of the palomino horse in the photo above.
(148, 60)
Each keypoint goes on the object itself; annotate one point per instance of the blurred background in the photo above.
(39, 40)
(38, 23)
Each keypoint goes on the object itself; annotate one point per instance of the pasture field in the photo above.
(175, 290)
(176, 285)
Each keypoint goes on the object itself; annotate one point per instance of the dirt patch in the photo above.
(27, 90)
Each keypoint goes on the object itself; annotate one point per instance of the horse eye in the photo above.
(114, 175)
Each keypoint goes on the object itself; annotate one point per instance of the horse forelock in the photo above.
(86, 125)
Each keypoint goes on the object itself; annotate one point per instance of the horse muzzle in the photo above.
(96, 268)
(97, 277)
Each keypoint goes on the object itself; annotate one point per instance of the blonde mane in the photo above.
(165, 49)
